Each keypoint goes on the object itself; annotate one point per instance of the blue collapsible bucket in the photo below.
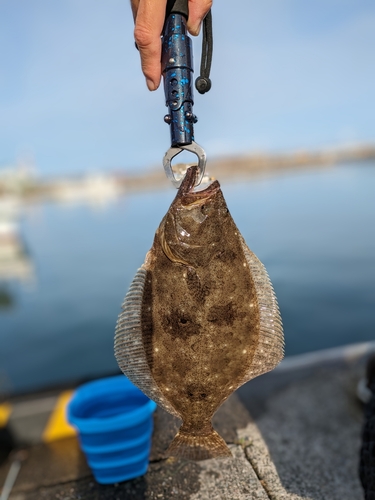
(114, 422)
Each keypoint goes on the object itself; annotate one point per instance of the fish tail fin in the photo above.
(198, 447)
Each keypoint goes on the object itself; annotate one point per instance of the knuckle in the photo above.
(143, 36)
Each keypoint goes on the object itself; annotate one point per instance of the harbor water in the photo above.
(313, 230)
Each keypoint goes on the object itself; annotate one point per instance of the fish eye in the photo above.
(206, 208)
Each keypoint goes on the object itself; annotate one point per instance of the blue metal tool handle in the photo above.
(177, 70)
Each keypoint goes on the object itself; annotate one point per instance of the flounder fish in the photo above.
(200, 318)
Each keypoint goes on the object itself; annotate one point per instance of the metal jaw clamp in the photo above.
(177, 70)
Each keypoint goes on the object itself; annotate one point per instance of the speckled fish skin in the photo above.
(200, 318)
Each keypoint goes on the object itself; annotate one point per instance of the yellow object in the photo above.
(5, 411)
(57, 426)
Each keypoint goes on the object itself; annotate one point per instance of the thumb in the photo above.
(197, 11)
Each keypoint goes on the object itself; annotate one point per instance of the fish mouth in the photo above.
(187, 193)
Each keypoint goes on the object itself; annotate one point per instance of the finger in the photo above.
(134, 6)
(197, 11)
(148, 27)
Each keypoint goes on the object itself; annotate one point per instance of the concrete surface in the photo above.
(294, 434)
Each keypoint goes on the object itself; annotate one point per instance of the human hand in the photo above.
(149, 17)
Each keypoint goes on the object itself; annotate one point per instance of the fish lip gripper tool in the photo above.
(177, 70)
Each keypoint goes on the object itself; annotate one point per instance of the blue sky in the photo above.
(286, 74)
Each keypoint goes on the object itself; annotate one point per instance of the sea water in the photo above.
(314, 231)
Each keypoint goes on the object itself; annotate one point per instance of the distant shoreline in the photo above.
(109, 185)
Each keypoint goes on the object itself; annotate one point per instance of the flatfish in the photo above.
(200, 318)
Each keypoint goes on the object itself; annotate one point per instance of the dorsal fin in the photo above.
(270, 349)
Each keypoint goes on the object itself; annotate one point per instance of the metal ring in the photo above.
(174, 151)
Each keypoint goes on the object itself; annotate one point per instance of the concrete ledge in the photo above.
(294, 434)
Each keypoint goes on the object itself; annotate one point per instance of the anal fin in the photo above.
(129, 349)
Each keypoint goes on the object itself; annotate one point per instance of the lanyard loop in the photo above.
(203, 82)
